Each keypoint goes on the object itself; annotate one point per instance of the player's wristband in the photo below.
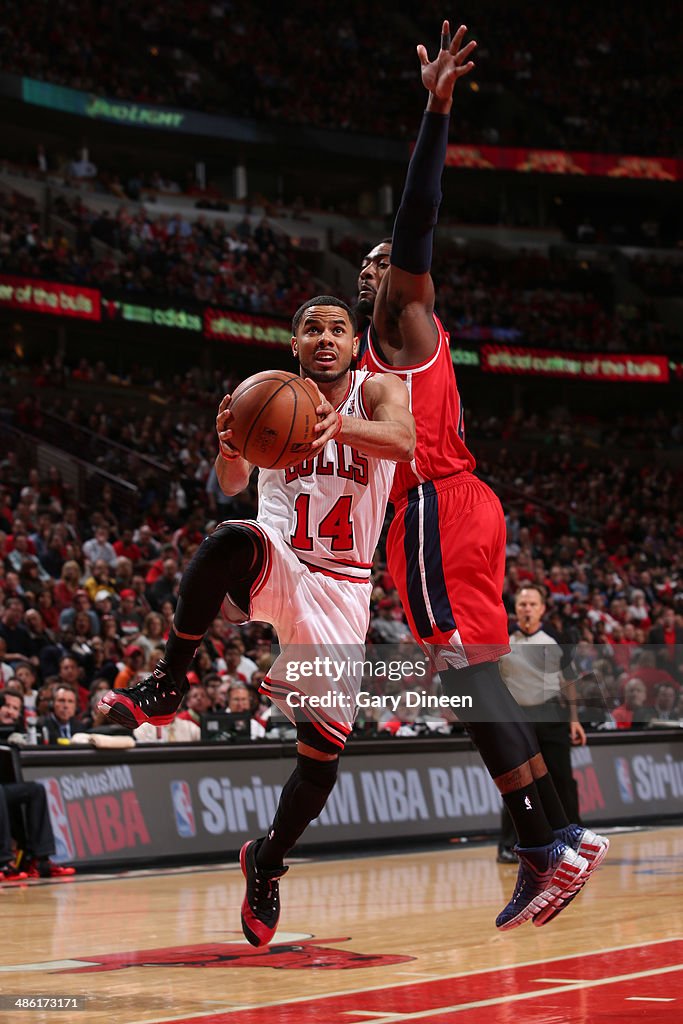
(227, 458)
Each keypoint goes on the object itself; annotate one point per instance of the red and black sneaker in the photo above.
(261, 904)
(156, 699)
(8, 873)
(47, 868)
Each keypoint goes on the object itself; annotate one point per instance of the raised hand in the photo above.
(440, 75)
(223, 430)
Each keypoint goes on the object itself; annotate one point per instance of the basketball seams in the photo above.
(299, 388)
(261, 378)
(279, 380)
(292, 421)
(283, 384)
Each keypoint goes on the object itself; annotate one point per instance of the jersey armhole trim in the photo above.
(441, 338)
(362, 405)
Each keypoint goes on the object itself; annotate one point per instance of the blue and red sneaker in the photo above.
(589, 845)
(546, 875)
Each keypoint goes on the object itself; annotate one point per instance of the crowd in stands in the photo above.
(87, 593)
(660, 277)
(545, 301)
(544, 79)
(552, 302)
(583, 432)
(539, 300)
(251, 267)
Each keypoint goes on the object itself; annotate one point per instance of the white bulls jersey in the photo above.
(330, 509)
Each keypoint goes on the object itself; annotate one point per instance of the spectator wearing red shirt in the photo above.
(634, 711)
(125, 547)
(68, 586)
(623, 644)
(644, 665)
(129, 619)
(197, 703)
(557, 586)
(667, 638)
(46, 607)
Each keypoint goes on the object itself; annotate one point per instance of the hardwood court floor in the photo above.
(408, 937)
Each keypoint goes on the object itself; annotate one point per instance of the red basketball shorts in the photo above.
(446, 553)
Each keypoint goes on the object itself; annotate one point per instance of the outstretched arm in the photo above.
(405, 300)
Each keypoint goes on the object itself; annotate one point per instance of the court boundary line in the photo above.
(241, 1008)
(531, 994)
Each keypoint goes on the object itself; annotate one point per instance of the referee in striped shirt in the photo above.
(540, 675)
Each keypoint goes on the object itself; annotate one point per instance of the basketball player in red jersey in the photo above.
(303, 565)
(446, 544)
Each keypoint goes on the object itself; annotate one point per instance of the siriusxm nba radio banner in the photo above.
(131, 812)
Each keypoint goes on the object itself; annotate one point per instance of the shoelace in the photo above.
(150, 688)
(268, 898)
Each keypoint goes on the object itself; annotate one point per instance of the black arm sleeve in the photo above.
(418, 213)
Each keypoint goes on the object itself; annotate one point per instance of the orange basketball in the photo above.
(274, 416)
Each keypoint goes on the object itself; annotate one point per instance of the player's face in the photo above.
(529, 609)
(372, 270)
(325, 344)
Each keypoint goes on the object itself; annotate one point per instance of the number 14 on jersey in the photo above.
(335, 526)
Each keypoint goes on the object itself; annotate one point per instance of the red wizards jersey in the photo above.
(435, 403)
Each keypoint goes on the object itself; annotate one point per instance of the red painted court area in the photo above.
(629, 985)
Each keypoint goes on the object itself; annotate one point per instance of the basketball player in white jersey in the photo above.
(302, 565)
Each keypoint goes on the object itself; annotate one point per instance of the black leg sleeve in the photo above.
(302, 799)
(495, 722)
(229, 561)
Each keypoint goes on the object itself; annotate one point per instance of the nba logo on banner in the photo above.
(182, 805)
(624, 780)
(64, 844)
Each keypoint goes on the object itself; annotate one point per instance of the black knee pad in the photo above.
(238, 546)
(307, 733)
(229, 561)
(322, 774)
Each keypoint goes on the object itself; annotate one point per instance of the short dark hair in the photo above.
(538, 587)
(10, 693)
(323, 300)
(66, 686)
